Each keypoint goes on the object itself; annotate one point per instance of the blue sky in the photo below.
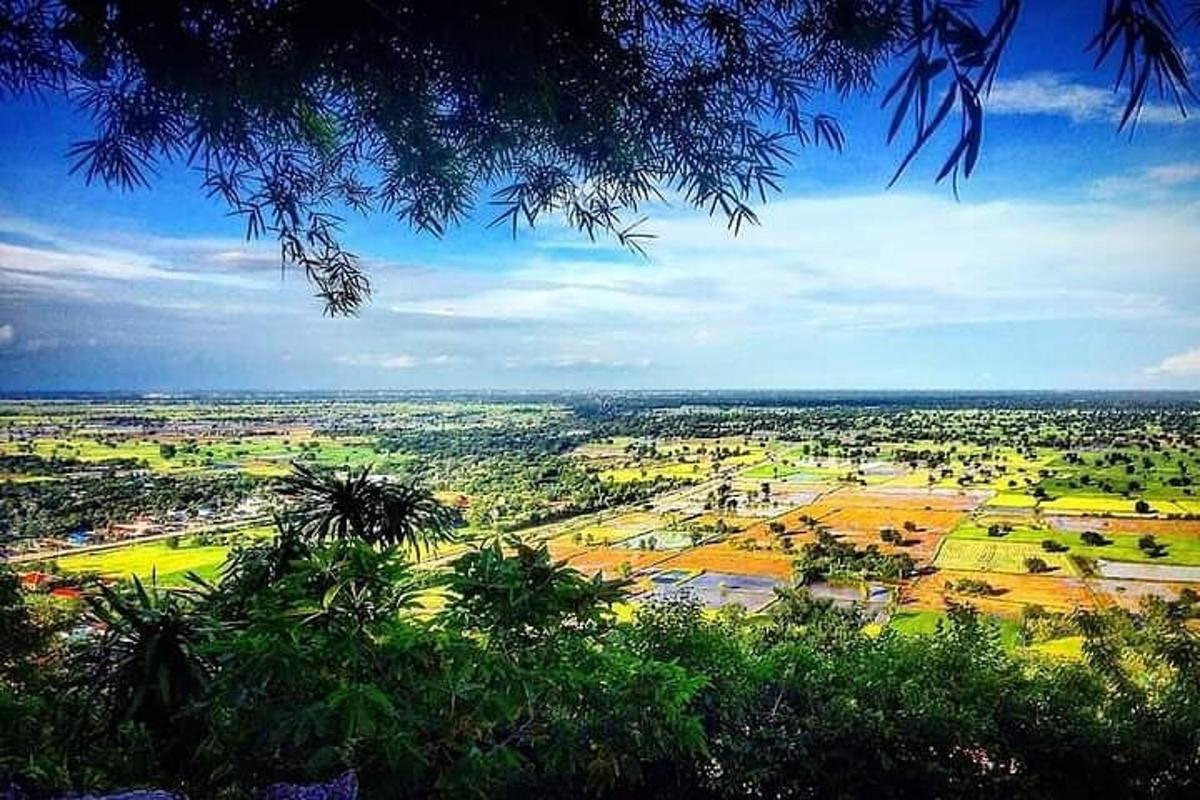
(1070, 261)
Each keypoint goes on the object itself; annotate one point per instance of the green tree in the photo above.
(1036, 566)
(21, 637)
(358, 505)
(149, 666)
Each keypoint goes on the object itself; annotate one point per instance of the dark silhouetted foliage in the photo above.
(295, 113)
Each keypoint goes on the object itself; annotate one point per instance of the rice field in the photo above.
(720, 557)
(663, 539)
(1177, 548)
(1088, 504)
(168, 564)
(264, 456)
(614, 530)
(1148, 572)
(683, 470)
(1130, 593)
(1011, 593)
(674, 540)
(1012, 500)
(1140, 525)
(611, 562)
(925, 623)
(976, 555)
(719, 589)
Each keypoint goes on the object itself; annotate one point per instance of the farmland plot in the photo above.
(1148, 572)
(996, 556)
(719, 589)
(1012, 592)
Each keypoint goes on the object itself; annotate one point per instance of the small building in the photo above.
(79, 538)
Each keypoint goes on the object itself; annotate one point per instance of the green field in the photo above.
(266, 456)
(997, 555)
(925, 623)
(915, 623)
(170, 565)
(1067, 648)
(1151, 470)
(1182, 548)
(805, 472)
(797, 462)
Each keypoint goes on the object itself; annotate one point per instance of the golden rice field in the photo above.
(1011, 593)
(1012, 500)
(1095, 504)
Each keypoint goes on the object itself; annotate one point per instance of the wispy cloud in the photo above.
(576, 361)
(906, 261)
(396, 360)
(7, 334)
(1051, 94)
(1159, 181)
(840, 278)
(393, 361)
(40, 260)
(1181, 365)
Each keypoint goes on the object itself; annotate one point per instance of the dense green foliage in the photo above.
(329, 506)
(309, 658)
(829, 557)
(514, 492)
(51, 508)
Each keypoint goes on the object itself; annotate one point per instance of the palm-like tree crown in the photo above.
(358, 505)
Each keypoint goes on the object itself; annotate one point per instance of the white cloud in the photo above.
(39, 260)
(576, 361)
(1181, 365)
(1158, 181)
(1047, 93)
(1175, 174)
(851, 274)
(853, 263)
(395, 360)
(7, 334)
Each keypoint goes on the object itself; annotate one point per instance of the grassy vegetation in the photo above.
(915, 623)
(1152, 474)
(997, 555)
(925, 623)
(1068, 648)
(170, 564)
(266, 456)
(1183, 549)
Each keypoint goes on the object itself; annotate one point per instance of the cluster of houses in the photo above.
(177, 521)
